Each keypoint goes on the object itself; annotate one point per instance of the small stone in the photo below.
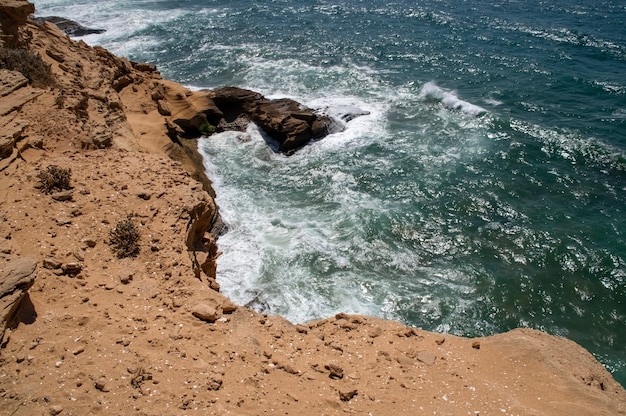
(101, 384)
(404, 361)
(287, 368)
(426, 357)
(214, 383)
(335, 372)
(78, 350)
(71, 268)
(63, 196)
(126, 279)
(62, 221)
(144, 195)
(408, 332)
(228, 306)
(347, 395)
(342, 315)
(89, 242)
(476, 345)
(302, 329)
(375, 332)
(440, 341)
(205, 312)
(51, 264)
(345, 324)
(175, 334)
(55, 410)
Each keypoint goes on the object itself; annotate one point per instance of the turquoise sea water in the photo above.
(485, 190)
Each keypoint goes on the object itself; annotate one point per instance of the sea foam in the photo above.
(449, 99)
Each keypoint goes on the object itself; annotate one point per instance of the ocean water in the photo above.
(485, 190)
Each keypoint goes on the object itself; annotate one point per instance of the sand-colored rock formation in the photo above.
(288, 125)
(150, 335)
(13, 14)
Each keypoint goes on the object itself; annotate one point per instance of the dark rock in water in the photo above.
(289, 124)
(68, 26)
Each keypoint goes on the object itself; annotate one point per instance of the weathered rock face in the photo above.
(17, 278)
(69, 27)
(13, 14)
(14, 93)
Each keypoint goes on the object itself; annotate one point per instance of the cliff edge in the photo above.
(90, 149)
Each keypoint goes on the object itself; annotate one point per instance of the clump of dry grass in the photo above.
(124, 238)
(29, 64)
(54, 178)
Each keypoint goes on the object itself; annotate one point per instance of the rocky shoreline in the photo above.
(87, 332)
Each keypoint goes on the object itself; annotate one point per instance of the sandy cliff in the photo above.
(151, 334)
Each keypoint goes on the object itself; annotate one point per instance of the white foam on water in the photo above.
(269, 250)
(449, 99)
(121, 20)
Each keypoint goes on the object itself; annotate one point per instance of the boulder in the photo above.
(17, 277)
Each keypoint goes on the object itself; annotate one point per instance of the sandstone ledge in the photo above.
(102, 335)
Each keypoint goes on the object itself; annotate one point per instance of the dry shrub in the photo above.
(54, 178)
(29, 64)
(124, 238)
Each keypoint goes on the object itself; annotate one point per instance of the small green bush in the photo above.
(29, 64)
(124, 238)
(54, 178)
(207, 129)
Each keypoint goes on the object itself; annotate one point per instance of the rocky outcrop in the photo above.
(69, 27)
(288, 124)
(202, 231)
(17, 277)
(14, 93)
(13, 14)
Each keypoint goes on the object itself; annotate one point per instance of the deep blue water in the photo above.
(485, 190)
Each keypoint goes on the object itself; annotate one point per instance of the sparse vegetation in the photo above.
(29, 64)
(54, 178)
(124, 238)
(207, 129)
